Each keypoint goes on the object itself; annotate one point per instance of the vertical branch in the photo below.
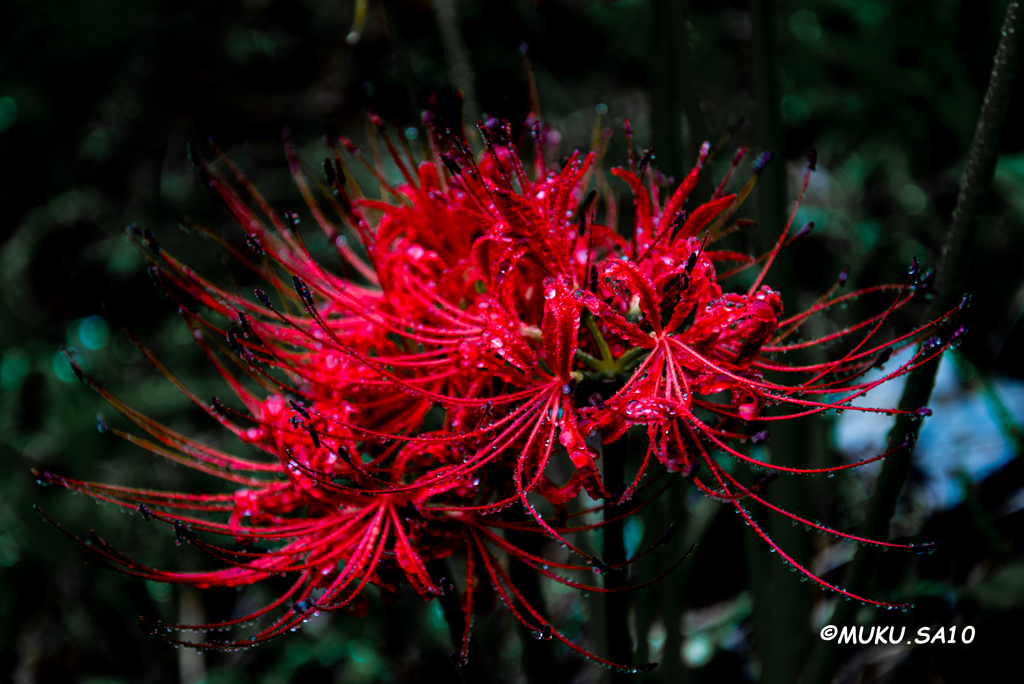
(674, 91)
(690, 93)
(674, 94)
(404, 63)
(982, 158)
(954, 263)
(614, 551)
(676, 601)
(538, 663)
(768, 129)
(666, 109)
(461, 73)
(781, 605)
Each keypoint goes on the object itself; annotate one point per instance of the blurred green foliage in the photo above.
(97, 101)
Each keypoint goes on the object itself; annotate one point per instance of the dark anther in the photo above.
(667, 537)
(243, 321)
(843, 275)
(467, 149)
(593, 279)
(673, 291)
(144, 510)
(678, 220)
(299, 408)
(183, 533)
(812, 159)
(761, 162)
(329, 171)
(691, 261)
(648, 155)
(262, 296)
(882, 358)
(803, 232)
(958, 333)
(150, 239)
(101, 426)
(237, 348)
(302, 606)
(216, 407)
(766, 480)
(343, 455)
(303, 291)
(487, 408)
(545, 633)
(759, 436)
(413, 512)
(313, 435)
(913, 267)
(485, 128)
(587, 201)
(536, 131)
(683, 284)
(446, 586)
(253, 241)
(450, 163)
(600, 566)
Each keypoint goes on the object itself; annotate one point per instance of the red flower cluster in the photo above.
(486, 328)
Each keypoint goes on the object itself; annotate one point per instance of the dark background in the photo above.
(98, 99)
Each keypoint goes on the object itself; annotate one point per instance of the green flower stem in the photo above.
(619, 369)
(630, 359)
(590, 361)
(602, 345)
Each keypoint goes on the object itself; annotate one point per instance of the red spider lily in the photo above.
(491, 292)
